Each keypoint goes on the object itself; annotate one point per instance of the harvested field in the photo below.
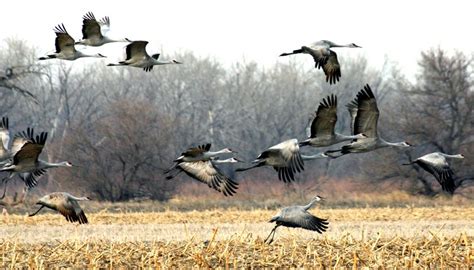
(372, 237)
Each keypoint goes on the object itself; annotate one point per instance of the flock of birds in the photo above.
(94, 34)
(200, 163)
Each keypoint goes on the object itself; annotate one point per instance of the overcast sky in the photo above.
(255, 30)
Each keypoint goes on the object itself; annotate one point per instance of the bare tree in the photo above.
(437, 115)
(123, 158)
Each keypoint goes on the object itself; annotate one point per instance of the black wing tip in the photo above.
(447, 183)
(366, 92)
(333, 78)
(148, 68)
(83, 218)
(60, 29)
(329, 101)
(89, 16)
(206, 146)
(4, 123)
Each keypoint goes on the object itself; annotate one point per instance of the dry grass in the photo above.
(359, 237)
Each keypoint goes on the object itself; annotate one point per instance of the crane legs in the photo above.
(272, 233)
(37, 211)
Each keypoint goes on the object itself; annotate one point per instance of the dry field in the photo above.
(441, 237)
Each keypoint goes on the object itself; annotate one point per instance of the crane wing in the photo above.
(289, 151)
(206, 172)
(325, 118)
(197, 151)
(305, 220)
(327, 60)
(136, 49)
(71, 211)
(104, 25)
(90, 27)
(441, 171)
(64, 42)
(364, 113)
(31, 149)
(4, 136)
(18, 143)
(352, 108)
(30, 177)
(331, 68)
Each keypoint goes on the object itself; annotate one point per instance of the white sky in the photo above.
(255, 30)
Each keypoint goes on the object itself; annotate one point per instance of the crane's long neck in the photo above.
(81, 54)
(452, 156)
(316, 156)
(160, 62)
(229, 160)
(342, 137)
(45, 165)
(110, 40)
(215, 153)
(333, 45)
(79, 198)
(311, 203)
(393, 144)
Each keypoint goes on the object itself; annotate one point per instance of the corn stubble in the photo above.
(351, 248)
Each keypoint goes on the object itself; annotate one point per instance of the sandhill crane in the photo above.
(64, 203)
(201, 152)
(4, 140)
(321, 131)
(93, 31)
(26, 149)
(437, 165)
(324, 57)
(298, 217)
(284, 157)
(205, 171)
(65, 49)
(136, 56)
(365, 114)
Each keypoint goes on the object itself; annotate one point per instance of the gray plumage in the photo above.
(207, 172)
(25, 162)
(365, 114)
(4, 140)
(66, 204)
(321, 129)
(93, 31)
(136, 56)
(437, 165)
(284, 157)
(201, 153)
(324, 57)
(298, 217)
